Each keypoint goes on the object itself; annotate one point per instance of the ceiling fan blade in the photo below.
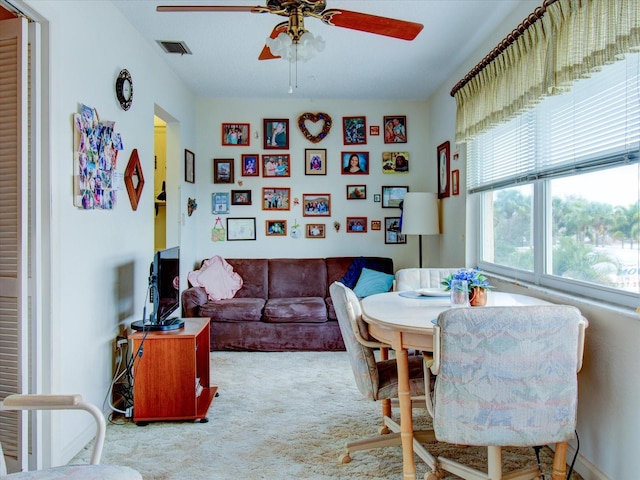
(209, 8)
(266, 54)
(372, 24)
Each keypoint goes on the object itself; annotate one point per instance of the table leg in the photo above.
(559, 471)
(406, 420)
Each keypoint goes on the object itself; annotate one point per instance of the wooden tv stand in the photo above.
(167, 368)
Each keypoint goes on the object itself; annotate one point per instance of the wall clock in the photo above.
(124, 89)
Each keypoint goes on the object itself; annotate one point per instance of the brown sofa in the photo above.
(283, 305)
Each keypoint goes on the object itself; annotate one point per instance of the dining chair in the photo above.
(506, 376)
(414, 278)
(92, 471)
(377, 378)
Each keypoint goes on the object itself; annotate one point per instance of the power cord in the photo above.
(575, 455)
(537, 450)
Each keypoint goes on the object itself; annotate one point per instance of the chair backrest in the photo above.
(414, 278)
(361, 356)
(507, 375)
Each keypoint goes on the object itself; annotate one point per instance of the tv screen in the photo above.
(166, 283)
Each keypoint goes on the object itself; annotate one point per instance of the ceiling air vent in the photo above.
(174, 47)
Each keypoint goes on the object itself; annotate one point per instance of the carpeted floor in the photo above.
(278, 416)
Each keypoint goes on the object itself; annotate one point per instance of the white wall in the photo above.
(421, 177)
(99, 259)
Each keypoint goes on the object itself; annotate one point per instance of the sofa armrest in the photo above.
(192, 299)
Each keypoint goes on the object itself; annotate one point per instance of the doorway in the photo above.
(160, 183)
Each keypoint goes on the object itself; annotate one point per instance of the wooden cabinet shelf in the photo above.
(171, 373)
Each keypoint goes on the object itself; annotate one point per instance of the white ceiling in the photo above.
(353, 65)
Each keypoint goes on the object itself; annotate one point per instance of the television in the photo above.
(164, 292)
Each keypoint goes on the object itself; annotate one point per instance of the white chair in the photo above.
(93, 471)
(414, 278)
(506, 376)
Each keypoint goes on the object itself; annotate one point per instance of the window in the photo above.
(559, 189)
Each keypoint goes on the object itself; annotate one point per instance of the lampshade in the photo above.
(420, 214)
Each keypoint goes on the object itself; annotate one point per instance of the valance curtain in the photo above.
(571, 39)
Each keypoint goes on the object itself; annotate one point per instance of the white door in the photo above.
(13, 232)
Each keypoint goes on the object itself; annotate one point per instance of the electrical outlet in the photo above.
(129, 412)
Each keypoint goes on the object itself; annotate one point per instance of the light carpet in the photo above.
(279, 416)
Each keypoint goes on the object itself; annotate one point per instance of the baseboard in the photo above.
(586, 469)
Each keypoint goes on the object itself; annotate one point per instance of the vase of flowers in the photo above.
(477, 283)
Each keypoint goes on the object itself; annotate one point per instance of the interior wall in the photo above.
(160, 177)
(421, 177)
(99, 259)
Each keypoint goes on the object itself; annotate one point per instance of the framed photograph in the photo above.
(316, 204)
(275, 228)
(276, 133)
(455, 182)
(189, 166)
(240, 197)
(250, 165)
(223, 170)
(241, 229)
(315, 161)
(276, 198)
(275, 166)
(392, 196)
(392, 231)
(374, 130)
(315, 230)
(236, 134)
(395, 129)
(356, 192)
(444, 170)
(376, 225)
(354, 130)
(376, 197)
(356, 224)
(220, 202)
(395, 162)
(355, 163)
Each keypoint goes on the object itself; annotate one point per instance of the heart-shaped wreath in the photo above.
(315, 117)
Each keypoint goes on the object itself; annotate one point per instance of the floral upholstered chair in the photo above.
(506, 376)
(377, 378)
(94, 471)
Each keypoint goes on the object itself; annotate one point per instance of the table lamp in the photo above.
(420, 216)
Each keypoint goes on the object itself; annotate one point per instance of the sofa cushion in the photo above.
(372, 282)
(295, 310)
(217, 277)
(233, 310)
(351, 276)
(254, 273)
(297, 277)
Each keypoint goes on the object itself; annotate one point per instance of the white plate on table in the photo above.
(425, 294)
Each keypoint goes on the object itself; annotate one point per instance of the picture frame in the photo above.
(236, 134)
(276, 165)
(393, 195)
(374, 130)
(189, 166)
(275, 133)
(315, 161)
(316, 204)
(395, 129)
(241, 228)
(376, 197)
(349, 166)
(223, 170)
(276, 198)
(395, 162)
(220, 203)
(275, 228)
(455, 182)
(357, 224)
(376, 225)
(392, 233)
(240, 197)
(354, 130)
(250, 163)
(444, 169)
(315, 230)
(356, 192)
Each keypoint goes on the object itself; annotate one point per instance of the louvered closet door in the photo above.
(13, 219)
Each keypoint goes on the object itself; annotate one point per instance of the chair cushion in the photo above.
(372, 282)
(80, 472)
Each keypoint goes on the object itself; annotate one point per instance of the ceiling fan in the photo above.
(297, 10)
